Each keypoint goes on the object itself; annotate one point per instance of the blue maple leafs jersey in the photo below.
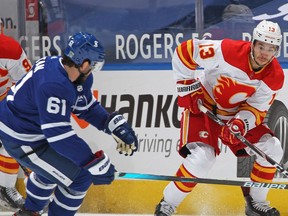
(38, 108)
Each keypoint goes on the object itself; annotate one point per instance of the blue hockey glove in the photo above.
(101, 169)
(123, 134)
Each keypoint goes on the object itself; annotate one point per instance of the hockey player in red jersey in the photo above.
(239, 83)
(13, 65)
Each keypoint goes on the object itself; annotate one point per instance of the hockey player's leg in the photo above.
(196, 164)
(68, 200)
(38, 190)
(256, 204)
(51, 168)
(10, 198)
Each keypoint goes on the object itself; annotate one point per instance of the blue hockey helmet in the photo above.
(84, 46)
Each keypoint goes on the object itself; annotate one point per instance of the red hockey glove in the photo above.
(190, 93)
(236, 126)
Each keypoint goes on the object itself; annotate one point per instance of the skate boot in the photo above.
(24, 212)
(254, 208)
(10, 198)
(164, 209)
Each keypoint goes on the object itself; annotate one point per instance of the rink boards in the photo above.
(147, 100)
(141, 197)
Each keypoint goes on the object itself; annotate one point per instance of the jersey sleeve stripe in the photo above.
(61, 137)
(185, 52)
(52, 125)
(22, 137)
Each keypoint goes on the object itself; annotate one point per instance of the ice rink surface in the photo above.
(82, 214)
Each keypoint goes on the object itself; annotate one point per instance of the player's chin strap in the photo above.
(244, 141)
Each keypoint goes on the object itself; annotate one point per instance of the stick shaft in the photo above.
(245, 141)
(145, 176)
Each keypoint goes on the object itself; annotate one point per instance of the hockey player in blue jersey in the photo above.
(35, 128)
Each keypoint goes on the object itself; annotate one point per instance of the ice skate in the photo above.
(24, 212)
(10, 198)
(164, 209)
(254, 208)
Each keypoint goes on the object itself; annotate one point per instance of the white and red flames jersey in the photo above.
(13, 66)
(228, 80)
(13, 63)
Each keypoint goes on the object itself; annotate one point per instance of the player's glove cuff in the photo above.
(101, 169)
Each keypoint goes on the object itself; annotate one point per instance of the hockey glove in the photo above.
(234, 126)
(101, 169)
(190, 93)
(123, 134)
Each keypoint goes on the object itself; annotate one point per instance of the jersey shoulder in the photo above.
(235, 51)
(273, 71)
(54, 79)
(49, 71)
(9, 48)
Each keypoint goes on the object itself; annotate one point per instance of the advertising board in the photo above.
(148, 101)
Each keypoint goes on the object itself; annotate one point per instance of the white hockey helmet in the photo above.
(268, 32)
(237, 13)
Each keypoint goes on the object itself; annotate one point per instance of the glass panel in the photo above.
(142, 32)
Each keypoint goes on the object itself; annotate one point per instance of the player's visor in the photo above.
(96, 66)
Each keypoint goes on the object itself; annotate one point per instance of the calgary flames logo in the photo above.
(229, 93)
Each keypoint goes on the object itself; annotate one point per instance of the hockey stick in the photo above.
(126, 175)
(245, 141)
